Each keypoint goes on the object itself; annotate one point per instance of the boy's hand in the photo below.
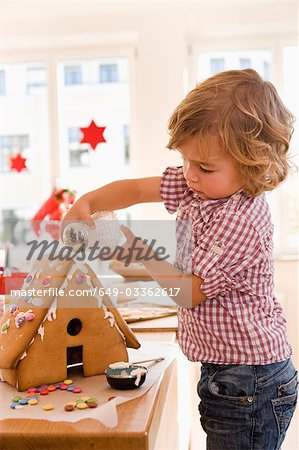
(79, 212)
(133, 250)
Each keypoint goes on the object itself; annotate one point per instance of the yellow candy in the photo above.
(84, 399)
(33, 401)
(48, 407)
(68, 382)
(82, 405)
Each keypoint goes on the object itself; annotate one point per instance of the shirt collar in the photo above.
(208, 207)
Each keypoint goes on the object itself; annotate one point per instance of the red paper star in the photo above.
(18, 163)
(93, 135)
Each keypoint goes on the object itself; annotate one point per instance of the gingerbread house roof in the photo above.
(42, 288)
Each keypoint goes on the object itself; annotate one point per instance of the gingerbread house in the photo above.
(60, 319)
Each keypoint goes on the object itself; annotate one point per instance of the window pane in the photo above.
(217, 65)
(126, 129)
(73, 75)
(79, 153)
(210, 63)
(245, 63)
(36, 79)
(2, 82)
(108, 73)
(290, 195)
(10, 147)
(107, 104)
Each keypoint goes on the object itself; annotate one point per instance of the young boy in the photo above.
(233, 134)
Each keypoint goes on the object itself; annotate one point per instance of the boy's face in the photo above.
(215, 176)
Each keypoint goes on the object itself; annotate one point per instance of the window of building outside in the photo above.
(36, 80)
(73, 75)
(245, 63)
(210, 63)
(24, 130)
(107, 104)
(11, 146)
(126, 130)
(108, 73)
(79, 153)
(217, 65)
(2, 82)
(284, 200)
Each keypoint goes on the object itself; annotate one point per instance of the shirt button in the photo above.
(216, 249)
(250, 399)
(236, 197)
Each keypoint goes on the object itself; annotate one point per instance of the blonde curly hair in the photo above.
(252, 123)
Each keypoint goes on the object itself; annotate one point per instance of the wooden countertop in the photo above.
(139, 420)
(163, 324)
(138, 426)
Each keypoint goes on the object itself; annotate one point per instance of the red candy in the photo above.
(77, 390)
(44, 392)
(32, 389)
(63, 387)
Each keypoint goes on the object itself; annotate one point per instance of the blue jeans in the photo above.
(247, 407)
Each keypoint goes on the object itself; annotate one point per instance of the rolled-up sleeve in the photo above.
(172, 188)
(224, 252)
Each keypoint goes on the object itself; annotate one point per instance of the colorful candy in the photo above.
(47, 281)
(31, 398)
(48, 407)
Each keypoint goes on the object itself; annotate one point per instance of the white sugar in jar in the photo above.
(106, 232)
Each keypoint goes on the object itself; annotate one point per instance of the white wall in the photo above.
(159, 32)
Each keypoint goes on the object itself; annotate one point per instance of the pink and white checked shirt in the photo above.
(240, 321)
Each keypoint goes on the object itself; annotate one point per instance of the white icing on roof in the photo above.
(41, 331)
(51, 315)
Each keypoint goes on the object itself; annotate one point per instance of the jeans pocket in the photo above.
(284, 406)
(234, 384)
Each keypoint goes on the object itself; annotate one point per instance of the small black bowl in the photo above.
(117, 381)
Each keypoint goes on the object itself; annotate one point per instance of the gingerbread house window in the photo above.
(74, 327)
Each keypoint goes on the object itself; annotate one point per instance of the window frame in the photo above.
(51, 58)
(275, 44)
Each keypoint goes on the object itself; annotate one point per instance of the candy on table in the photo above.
(51, 388)
(77, 390)
(82, 405)
(69, 407)
(44, 392)
(48, 407)
(17, 402)
(92, 403)
(16, 405)
(32, 389)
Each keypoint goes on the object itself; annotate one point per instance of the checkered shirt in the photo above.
(230, 248)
